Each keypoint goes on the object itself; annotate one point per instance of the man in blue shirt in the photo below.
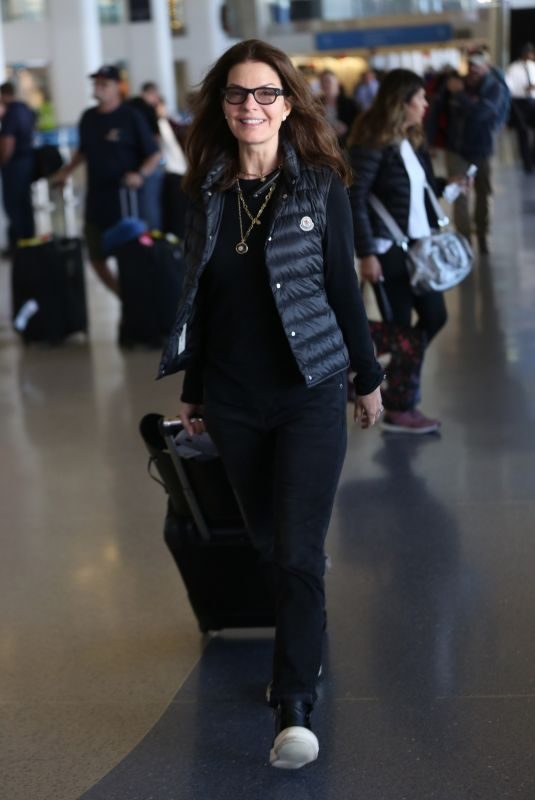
(16, 162)
(120, 151)
(366, 89)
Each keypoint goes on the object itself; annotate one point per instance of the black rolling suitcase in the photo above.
(151, 273)
(48, 289)
(227, 585)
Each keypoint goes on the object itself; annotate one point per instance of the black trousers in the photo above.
(17, 194)
(284, 457)
(174, 205)
(404, 369)
(523, 117)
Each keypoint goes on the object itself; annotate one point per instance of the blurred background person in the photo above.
(389, 161)
(151, 192)
(366, 90)
(16, 164)
(173, 198)
(120, 151)
(340, 109)
(474, 110)
(520, 78)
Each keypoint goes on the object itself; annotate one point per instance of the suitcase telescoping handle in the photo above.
(129, 202)
(169, 428)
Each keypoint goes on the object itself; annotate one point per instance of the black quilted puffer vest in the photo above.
(294, 261)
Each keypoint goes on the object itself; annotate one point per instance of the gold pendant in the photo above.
(241, 248)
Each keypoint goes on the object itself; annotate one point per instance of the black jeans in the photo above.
(17, 194)
(523, 117)
(405, 366)
(284, 459)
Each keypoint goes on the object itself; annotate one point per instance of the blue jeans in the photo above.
(150, 200)
(17, 194)
(284, 457)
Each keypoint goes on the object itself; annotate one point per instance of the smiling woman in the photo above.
(268, 324)
(254, 122)
(218, 116)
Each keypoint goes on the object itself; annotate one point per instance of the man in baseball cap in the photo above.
(107, 72)
(119, 151)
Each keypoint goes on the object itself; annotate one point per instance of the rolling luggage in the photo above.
(48, 288)
(227, 585)
(151, 273)
(129, 227)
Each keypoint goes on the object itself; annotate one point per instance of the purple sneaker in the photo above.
(411, 421)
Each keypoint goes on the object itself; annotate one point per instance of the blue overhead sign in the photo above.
(383, 37)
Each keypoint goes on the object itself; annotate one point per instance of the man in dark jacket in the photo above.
(475, 107)
(16, 162)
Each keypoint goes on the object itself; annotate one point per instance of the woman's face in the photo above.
(416, 108)
(251, 122)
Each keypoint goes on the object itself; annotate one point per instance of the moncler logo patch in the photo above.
(306, 224)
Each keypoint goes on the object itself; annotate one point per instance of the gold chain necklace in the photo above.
(241, 247)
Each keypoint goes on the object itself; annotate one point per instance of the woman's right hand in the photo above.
(370, 269)
(190, 415)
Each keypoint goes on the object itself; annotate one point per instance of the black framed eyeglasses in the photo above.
(265, 95)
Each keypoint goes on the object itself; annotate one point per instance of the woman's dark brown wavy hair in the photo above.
(306, 128)
(384, 122)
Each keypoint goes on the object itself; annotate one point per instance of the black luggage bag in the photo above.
(227, 584)
(151, 272)
(48, 290)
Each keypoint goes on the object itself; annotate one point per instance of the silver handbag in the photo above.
(437, 262)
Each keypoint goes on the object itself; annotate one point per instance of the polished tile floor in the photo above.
(107, 690)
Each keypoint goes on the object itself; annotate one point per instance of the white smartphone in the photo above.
(471, 171)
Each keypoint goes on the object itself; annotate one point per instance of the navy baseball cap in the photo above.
(108, 72)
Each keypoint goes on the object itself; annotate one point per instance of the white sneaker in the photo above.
(293, 748)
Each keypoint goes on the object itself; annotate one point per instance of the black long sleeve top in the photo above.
(244, 352)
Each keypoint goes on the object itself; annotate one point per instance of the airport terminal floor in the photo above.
(109, 691)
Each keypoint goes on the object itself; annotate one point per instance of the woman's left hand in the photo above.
(368, 408)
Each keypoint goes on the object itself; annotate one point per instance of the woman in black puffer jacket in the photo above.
(269, 320)
(388, 161)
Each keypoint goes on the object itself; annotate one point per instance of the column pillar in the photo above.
(150, 52)
(249, 19)
(203, 25)
(2, 50)
(3, 219)
(76, 49)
